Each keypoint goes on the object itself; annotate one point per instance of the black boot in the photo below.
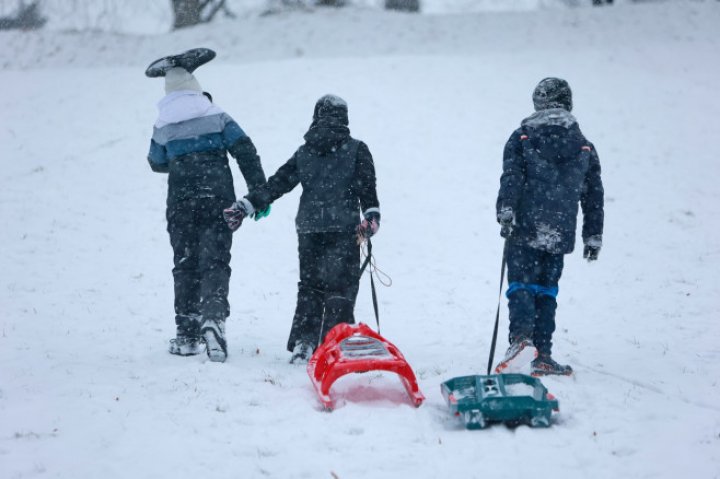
(545, 365)
(302, 352)
(187, 341)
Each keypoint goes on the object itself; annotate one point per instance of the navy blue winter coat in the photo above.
(549, 168)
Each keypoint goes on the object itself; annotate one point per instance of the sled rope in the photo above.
(369, 262)
(382, 277)
(497, 313)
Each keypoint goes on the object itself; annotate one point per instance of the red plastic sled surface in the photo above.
(356, 349)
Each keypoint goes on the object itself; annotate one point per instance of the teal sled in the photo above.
(508, 398)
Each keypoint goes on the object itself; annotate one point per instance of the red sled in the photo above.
(357, 349)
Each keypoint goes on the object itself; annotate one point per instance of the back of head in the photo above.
(329, 127)
(552, 93)
(332, 110)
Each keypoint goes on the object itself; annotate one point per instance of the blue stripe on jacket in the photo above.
(197, 135)
(157, 157)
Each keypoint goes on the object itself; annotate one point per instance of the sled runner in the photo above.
(188, 60)
(508, 398)
(357, 349)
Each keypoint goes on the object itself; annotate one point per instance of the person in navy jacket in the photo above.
(190, 142)
(337, 175)
(549, 168)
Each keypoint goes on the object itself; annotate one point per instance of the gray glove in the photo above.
(592, 247)
(506, 218)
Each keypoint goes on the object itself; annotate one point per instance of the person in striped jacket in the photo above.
(191, 139)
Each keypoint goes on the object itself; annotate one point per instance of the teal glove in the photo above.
(258, 215)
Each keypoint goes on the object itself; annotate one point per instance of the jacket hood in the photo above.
(550, 117)
(184, 105)
(555, 135)
(329, 128)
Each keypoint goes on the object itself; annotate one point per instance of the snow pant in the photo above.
(328, 287)
(201, 244)
(533, 277)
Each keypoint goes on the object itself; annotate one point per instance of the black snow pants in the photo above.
(328, 287)
(201, 244)
(533, 277)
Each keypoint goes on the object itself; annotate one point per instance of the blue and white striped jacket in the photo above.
(190, 142)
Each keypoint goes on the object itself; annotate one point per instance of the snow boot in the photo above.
(187, 341)
(302, 352)
(518, 356)
(188, 60)
(186, 346)
(214, 334)
(545, 365)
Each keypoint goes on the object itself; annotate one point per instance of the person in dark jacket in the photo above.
(337, 175)
(549, 168)
(190, 142)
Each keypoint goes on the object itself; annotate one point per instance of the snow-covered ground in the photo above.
(87, 388)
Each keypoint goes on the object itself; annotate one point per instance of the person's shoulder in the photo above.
(359, 143)
(216, 110)
(518, 134)
(577, 131)
(361, 147)
(302, 149)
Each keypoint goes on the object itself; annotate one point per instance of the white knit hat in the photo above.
(177, 79)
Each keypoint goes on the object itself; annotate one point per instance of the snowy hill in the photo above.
(87, 388)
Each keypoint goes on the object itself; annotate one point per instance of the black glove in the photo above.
(370, 225)
(506, 218)
(592, 247)
(236, 213)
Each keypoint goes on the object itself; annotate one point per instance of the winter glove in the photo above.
(592, 247)
(237, 212)
(506, 218)
(369, 225)
(258, 215)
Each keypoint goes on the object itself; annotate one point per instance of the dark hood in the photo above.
(329, 128)
(557, 136)
(550, 117)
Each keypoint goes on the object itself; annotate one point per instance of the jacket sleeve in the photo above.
(243, 150)
(365, 183)
(592, 199)
(283, 181)
(513, 175)
(157, 157)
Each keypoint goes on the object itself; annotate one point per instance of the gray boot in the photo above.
(187, 341)
(213, 332)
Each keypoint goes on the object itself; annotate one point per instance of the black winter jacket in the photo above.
(336, 172)
(337, 186)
